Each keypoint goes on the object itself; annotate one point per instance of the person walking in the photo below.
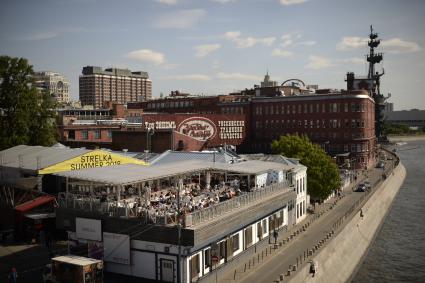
(13, 275)
(313, 268)
(275, 235)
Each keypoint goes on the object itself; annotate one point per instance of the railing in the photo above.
(112, 209)
(209, 213)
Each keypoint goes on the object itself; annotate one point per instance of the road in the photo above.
(268, 269)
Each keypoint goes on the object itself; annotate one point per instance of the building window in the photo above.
(97, 134)
(248, 237)
(85, 134)
(311, 108)
(71, 135)
(194, 266)
(207, 258)
(235, 242)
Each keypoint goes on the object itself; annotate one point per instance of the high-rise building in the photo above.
(267, 82)
(54, 83)
(116, 85)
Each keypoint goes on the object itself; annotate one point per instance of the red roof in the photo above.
(34, 203)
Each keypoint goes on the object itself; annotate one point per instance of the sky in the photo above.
(210, 47)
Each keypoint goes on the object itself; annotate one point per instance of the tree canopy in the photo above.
(27, 116)
(322, 172)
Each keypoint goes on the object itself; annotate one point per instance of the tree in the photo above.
(322, 172)
(26, 115)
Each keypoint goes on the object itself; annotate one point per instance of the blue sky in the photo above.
(218, 46)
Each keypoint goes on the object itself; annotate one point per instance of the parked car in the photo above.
(367, 185)
(360, 188)
(380, 164)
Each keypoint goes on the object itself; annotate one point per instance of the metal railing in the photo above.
(209, 213)
(112, 209)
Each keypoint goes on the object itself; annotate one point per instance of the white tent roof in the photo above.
(131, 173)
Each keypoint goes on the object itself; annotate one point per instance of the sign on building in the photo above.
(92, 159)
(199, 128)
(88, 229)
(116, 248)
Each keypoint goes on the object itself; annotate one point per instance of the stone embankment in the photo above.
(338, 255)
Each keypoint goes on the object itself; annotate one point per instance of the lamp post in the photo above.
(149, 134)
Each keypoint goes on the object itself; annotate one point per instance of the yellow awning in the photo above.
(92, 159)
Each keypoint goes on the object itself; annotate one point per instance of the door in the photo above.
(167, 270)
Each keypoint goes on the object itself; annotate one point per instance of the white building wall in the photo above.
(300, 181)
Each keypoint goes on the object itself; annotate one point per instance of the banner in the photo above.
(92, 159)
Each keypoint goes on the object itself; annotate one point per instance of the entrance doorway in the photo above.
(167, 270)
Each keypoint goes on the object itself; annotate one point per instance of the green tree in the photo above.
(26, 115)
(323, 175)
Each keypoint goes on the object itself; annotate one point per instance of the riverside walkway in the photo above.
(268, 262)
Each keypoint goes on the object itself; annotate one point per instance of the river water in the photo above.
(398, 253)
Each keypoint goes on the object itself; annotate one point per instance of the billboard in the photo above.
(88, 229)
(92, 159)
(116, 248)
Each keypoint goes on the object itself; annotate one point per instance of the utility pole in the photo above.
(179, 231)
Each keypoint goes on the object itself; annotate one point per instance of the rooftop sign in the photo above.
(92, 159)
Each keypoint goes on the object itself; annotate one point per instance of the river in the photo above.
(398, 253)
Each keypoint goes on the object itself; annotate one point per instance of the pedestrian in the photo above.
(275, 235)
(361, 213)
(313, 268)
(13, 275)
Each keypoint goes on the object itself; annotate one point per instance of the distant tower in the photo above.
(375, 58)
(267, 82)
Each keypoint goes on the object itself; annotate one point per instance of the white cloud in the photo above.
(398, 45)
(237, 76)
(168, 2)
(317, 63)
(179, 19)
(393, 45)
(352, 42)
(307, 43)
(147, 55)
(292, 2)
(189, 77)
(277, 52)
(224, 1)
(292, 39)
(205, 49)
(246, 42)
(232, 35)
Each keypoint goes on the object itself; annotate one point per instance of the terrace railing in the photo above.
(112, 209)
(245, 199)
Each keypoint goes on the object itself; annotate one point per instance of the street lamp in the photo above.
(149, 134)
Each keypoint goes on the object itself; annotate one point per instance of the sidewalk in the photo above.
(265, 262)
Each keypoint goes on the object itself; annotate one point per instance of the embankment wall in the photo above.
(339, 259)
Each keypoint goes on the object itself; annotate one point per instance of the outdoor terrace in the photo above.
(199, 195)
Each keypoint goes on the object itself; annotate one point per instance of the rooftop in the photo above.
(130, 173)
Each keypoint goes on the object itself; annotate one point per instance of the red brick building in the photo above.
(342, 122)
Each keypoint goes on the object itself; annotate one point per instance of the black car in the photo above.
(360, 188)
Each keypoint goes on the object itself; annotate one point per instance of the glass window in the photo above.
(194, 266)
(248, 237)
(97, 134)
(207, 258)
(85, 134)
(235, 242)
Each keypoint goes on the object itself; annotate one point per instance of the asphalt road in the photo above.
(269, 268)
